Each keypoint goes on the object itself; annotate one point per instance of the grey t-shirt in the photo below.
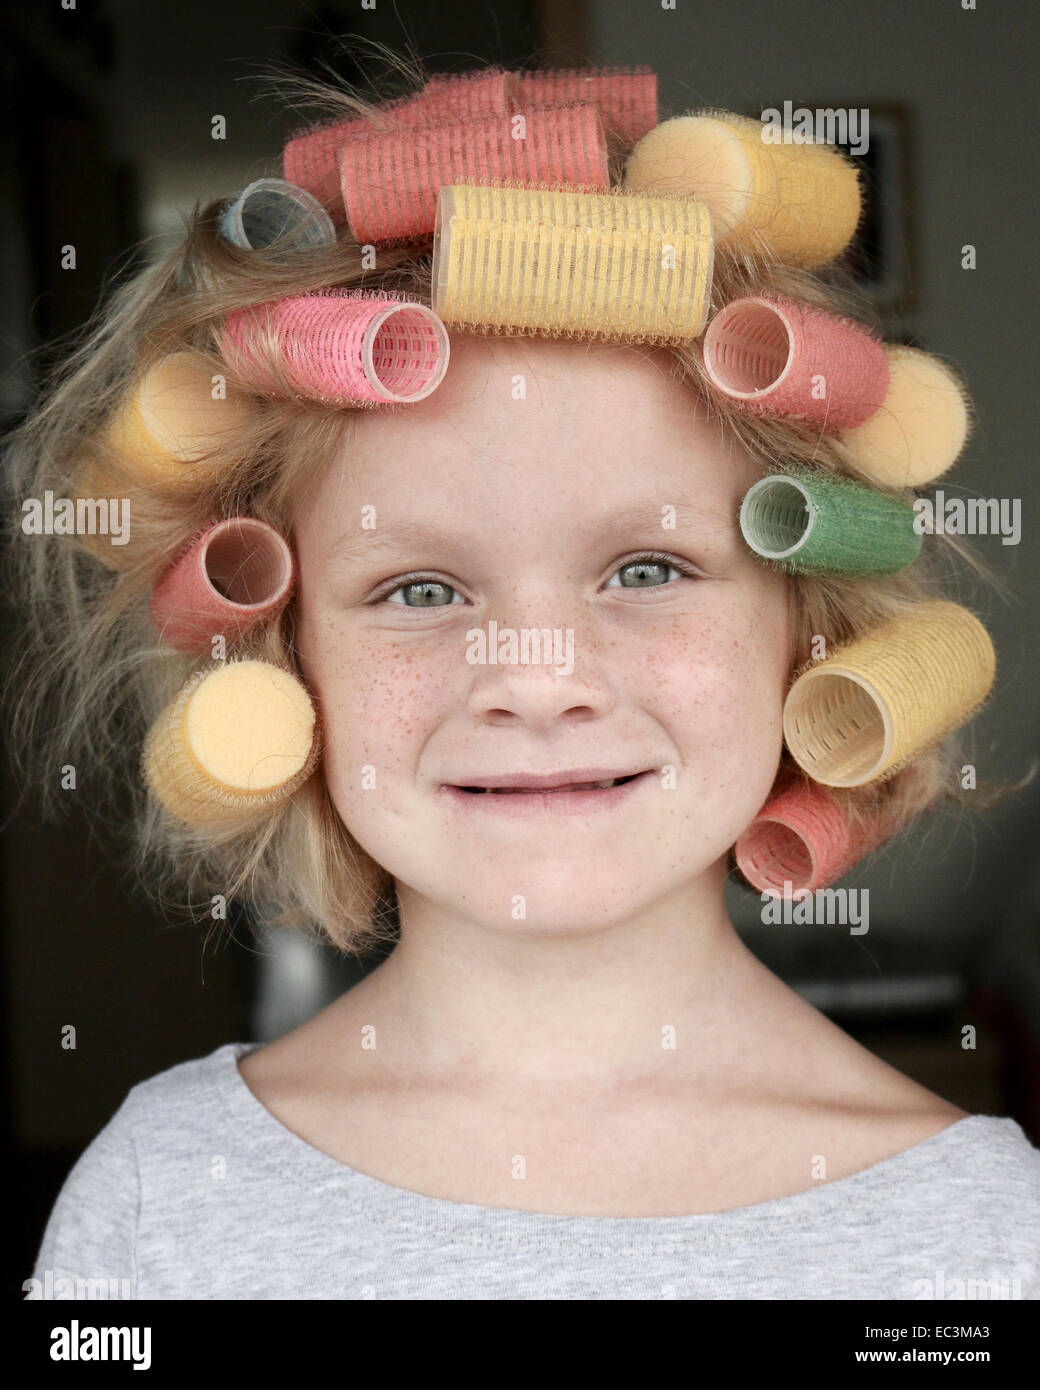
(194, 1190)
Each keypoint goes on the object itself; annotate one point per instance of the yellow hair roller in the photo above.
(800, 202)
(236, 741)
(877, 703)
(921, 427)
(560, 262)
(163, 429)
(172, 419)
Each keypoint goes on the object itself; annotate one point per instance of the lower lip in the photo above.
(544, 803)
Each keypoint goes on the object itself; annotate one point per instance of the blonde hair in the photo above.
(90, 676)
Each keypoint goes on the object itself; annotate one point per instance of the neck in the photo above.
(588, 1009)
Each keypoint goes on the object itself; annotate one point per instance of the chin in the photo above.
(528, 905)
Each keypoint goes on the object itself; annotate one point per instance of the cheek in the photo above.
(719, 678)
(380, 698)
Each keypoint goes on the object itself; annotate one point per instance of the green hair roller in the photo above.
(810, 524)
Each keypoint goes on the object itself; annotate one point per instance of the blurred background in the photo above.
(106, 145)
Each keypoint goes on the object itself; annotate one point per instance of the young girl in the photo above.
(492, 663)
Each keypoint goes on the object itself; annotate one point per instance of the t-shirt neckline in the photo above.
(301, 1162)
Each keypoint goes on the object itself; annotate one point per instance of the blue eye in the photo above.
(643, 569)
(647, 571)
(428, 593)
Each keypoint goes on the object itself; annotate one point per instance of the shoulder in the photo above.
(974, 1191)
(930, 1168)
(179, 1089)
(988, 1165)
(161, 1113)
(962, 1204)
(91, 1233)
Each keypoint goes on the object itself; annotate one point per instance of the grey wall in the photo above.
(969, 79)
(179, 64)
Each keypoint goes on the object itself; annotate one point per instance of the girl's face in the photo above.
(522, 497)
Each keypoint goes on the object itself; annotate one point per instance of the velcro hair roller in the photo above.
(160, 434)
(774, 356)
(921, 427)
(237, 740)
(809, 523)
(173, 419)
(882, 700)
(607, 265)
(390, 184)
(462, 95)
(799, 202)
(626, 96)
(343, 349)
(900, 412)
(802, 837)
(238, 574)
(272, 212)
(311, 158)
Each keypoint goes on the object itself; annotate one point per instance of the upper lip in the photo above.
(545, 781)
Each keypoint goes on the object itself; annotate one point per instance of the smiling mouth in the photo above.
(549, 791)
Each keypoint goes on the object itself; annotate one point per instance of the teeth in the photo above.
(570, 787)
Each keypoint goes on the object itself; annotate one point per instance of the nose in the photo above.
(537, 676)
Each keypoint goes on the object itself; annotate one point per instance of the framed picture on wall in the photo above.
(882, 255)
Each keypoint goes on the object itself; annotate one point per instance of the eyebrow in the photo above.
(614, 526)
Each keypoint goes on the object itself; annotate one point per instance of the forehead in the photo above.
(541, 425)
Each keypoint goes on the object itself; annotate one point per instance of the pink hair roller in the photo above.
(390, 185)
(627, 97)
(776, 357)
(311, 161)
(803, 837)
(464, 96)
(311, 158)
(238, 574)
(342, 349)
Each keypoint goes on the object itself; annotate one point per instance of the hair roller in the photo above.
(460, 96)
(390, 185)
(236, 575)
(273, 212)
(804, 838)
(808, 523)
(311, 158)
(775, 356)
(901, 413)
(342, 349)
(556, 261)
(627, 97)
(880, 701)
(236, 741)
(174, 419)
(922, 425)
(799, 202)
(161, 434)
